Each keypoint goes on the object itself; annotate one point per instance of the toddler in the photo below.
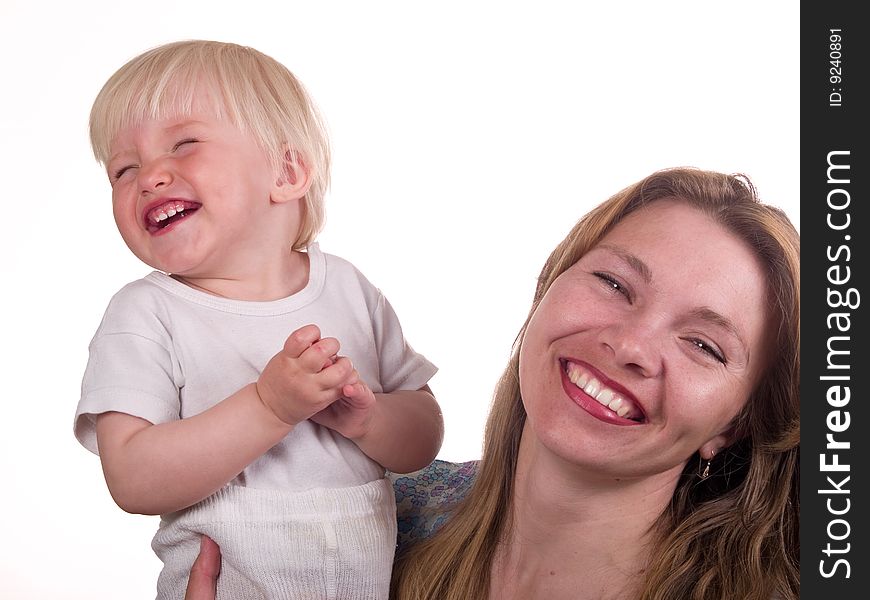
(252, 388)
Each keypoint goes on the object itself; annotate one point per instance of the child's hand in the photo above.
(305, 377)
(350, 415)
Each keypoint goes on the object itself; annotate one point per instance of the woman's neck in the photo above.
(574, 534)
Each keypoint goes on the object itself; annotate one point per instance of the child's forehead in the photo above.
(154, 98)
(173, 117)
(177, 101)
(169, 116)
(169, 123)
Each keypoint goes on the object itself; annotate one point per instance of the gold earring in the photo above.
(706, 472)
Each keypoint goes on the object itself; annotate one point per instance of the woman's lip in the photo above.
(590, 404)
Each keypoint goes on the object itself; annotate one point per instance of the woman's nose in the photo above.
(636, 344)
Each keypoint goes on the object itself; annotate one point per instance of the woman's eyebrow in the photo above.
(711, 316)
(634, 262)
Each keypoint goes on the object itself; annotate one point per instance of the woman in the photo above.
(643, 440)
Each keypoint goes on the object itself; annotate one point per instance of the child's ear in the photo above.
(292, 181)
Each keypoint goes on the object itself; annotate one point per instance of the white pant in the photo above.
(318, 544)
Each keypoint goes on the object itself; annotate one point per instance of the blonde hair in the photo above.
(257, 93)
(733, 535)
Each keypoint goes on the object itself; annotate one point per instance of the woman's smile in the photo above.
(612, 403)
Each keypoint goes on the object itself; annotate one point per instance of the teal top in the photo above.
(426, 498)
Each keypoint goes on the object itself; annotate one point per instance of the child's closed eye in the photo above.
(184, 142)
(118, 173)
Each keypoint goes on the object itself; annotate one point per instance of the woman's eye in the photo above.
(183, 142)
(706, 348)
(613, 284)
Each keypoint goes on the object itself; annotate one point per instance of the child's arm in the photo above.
(401, 430)
(406, 432)
(156, 469)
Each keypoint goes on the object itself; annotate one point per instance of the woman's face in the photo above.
(644, 351)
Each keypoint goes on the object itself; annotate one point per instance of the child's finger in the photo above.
(338, 374)
(319, 355)
(358, 395)
(301, 339)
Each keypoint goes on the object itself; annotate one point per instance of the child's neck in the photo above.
(289, 278)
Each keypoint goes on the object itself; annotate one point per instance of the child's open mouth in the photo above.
(169, 212)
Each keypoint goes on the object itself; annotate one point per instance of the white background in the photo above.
(468, 137)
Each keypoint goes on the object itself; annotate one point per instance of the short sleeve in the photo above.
(401, 368)
(130, 370)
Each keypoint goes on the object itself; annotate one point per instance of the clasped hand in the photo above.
(308, 380)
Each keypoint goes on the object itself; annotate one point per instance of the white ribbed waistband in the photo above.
(239, 504)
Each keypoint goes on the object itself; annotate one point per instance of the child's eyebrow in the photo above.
(169, 129)
(183, 124)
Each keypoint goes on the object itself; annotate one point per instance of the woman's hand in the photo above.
(202, 584)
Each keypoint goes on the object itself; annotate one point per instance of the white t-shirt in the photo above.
(166, 351)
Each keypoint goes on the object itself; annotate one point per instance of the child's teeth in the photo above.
(164, 212)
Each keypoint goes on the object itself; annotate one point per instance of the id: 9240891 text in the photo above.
(835, 70)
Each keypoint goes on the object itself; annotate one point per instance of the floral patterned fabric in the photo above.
(425, 498)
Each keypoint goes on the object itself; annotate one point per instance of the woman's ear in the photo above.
(717, 443)
(293, 179)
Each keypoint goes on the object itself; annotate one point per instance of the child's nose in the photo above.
(153, 176)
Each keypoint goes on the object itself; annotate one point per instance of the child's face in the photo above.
(193, 196)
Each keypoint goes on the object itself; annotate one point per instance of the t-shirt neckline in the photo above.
(312, 289)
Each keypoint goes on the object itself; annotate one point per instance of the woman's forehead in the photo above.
(672, 237)
(670, 219)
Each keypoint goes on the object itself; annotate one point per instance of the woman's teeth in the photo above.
(604, 395)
